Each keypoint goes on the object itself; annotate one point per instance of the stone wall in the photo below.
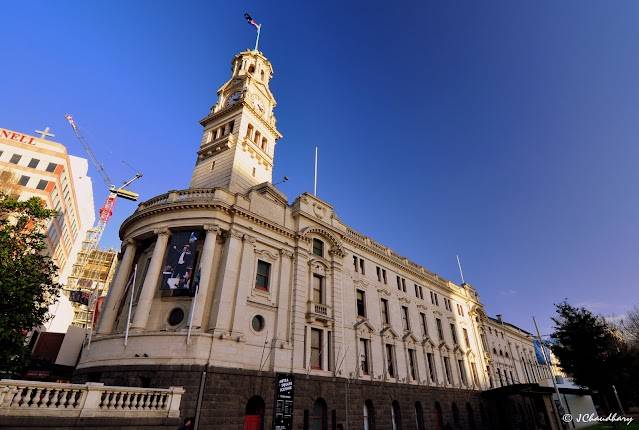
(227, 392)
(58, 423)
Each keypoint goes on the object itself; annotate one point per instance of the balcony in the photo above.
(319, 312)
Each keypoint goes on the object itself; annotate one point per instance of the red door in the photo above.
(252, 422)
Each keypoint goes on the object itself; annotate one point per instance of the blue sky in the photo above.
(503, 131)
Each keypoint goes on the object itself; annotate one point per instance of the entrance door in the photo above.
(252, 422)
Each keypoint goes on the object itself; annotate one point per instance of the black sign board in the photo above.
(283, 408)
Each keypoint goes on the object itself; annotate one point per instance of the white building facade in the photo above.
(228, 278)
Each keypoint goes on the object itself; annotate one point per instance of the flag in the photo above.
(251, 21)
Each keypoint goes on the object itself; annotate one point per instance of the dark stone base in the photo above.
(227, 391)
(58, 423)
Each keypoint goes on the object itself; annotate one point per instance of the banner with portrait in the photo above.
(179, 270)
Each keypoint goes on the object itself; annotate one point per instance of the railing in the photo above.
(29, 398)
(192, 194)
(319, 311)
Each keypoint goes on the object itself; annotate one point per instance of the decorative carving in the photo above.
(360, 283)
(336, 247)
(161, 231)
(404, 300)
(265, 252)
(212, 228)
(319, 210)
(249, 239)
(384, 292)
(129, 242)
(235, 233)
(286, 253)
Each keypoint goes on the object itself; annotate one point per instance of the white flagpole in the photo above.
(193, 302)
(257, 40)
(460, 270)
(315, 175)
(128, 317)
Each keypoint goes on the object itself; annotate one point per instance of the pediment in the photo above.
(443, 347)
(422, 307)
(384, 292)
(360, 283)
(427, 342)
(388, 332)
(364, 326)
(404, 300)
(409, 337)
(269, 192)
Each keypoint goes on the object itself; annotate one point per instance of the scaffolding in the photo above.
(89, 280)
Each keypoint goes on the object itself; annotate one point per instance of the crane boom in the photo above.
(96, 163)
(94, 234)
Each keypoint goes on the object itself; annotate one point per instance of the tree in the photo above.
(27, 274)
(593, 352)
(630, 326)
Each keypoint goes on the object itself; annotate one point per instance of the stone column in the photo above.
(226, 283)
(245, 282)
(109, 314)
(149, 286)
(206, 269)
(284, 290)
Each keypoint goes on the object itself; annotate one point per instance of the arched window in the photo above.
(262, 74)
(471, 417)
(319, 416)
(264, 144)
(249, 131)
(369, 415)
(257, 137)
(396, 416)
(439, 419)
(419, 416)
(456, 421)
(318, 247)
(254, 414)
(251, 68)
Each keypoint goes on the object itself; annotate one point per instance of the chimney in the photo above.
(499, 318)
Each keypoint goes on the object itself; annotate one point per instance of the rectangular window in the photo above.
(263, 275)
(405, 320)
(453, 332)
(384, 276)
(422, 316)
(361, 304)
(433, 298)
(403, 285)
(316, 348)
(390, 360)
(318, 247)
(42, 184)
(318, 289)
(361, 266)
(15, 159)
(51, 167)
(440, 331)
(23, 180)
(34, 163)
(431, 367)
(466, 339)
(462, 371)
(399, 283)
(385, 319)
(379, 273)
(412, 364)
(363, 356)
(449, 380)
(355, 264)
(473, 369)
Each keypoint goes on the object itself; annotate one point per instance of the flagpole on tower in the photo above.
(257, 39)
(315, 175)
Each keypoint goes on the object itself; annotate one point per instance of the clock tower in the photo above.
(238, 143)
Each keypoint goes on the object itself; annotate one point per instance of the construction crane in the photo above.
(87, 276)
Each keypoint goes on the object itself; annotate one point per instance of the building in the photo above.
(33, 166)
(89, 282)
(227, 289)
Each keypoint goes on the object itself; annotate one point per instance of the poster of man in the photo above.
(180, 261)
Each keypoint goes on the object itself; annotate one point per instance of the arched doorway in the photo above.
(254, 414)
(456, 420)
(471, 417)
(369, 415)
(439, 419)
(419, 416)
(319, 415)
(396, 416)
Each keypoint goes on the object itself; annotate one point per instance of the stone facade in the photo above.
(229, 278)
